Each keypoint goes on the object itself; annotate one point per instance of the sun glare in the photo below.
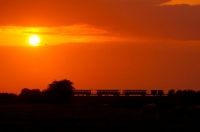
(34, 40)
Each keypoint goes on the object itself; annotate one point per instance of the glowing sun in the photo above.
(34, 40)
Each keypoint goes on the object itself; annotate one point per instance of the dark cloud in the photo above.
(127, 17)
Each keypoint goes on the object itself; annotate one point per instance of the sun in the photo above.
(34, 40)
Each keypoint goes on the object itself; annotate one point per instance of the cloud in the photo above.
(128, 18)
(189, 2)
(55, 35)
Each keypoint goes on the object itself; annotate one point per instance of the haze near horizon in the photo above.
(107, 44)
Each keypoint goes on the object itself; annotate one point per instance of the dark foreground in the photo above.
(49, 117)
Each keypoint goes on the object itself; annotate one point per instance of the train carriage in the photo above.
(82, 92)
(108, 92)
(134, 92)
(157, 92)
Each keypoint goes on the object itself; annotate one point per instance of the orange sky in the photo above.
(113, 44)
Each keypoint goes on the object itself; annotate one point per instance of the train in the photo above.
(118, 92)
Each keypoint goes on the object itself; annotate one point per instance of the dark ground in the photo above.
(86, 115)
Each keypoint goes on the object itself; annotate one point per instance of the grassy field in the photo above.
(85, 117)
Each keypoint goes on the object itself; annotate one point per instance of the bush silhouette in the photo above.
(59, 91)
(6, 98)
(171, 92)
(30, 96)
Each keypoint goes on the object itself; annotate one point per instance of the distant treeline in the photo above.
(56, 92)
(62, 92)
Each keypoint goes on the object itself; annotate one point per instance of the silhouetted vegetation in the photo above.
(62, 92)
(171, 92)
(7, 98)
(59, 91)
(56, 92)
(115, 112)
(30, 96)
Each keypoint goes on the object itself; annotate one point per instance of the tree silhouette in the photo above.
(179, 93)
(59, 91)
(8, 98)
(190, 97)
(171, 92)
(30, 96)
(189, 93)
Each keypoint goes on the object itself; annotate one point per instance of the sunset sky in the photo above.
(100, 44)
